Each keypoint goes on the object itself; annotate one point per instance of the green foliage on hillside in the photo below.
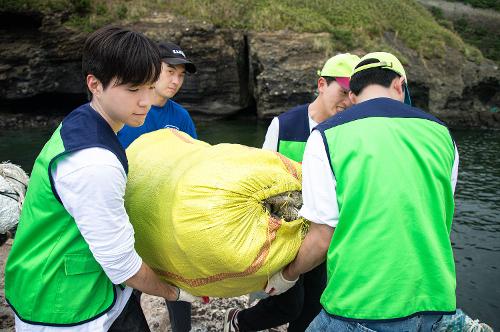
(486, 4)
(80, 7)
(353, 24)
(474, 34)
(483, 39)
(86, 15)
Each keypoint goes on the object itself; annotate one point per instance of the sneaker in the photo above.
(461, 322)
(230, 320)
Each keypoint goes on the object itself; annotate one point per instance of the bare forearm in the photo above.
(148, 282)
(312, 252)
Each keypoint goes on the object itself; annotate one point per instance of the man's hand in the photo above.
(148, 282)
(182, 295)
(278, 284)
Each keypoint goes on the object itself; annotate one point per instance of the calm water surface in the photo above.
(476, 227)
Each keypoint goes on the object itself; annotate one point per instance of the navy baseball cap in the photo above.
(172, 54)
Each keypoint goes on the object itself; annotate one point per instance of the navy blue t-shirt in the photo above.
(171, 115)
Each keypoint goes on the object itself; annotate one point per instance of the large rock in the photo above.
(43, 57)
(461, 92)
(38, 56)
(284, 68)
(220, 85)
(266, 72)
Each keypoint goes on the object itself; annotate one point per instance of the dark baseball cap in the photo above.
(173, 55)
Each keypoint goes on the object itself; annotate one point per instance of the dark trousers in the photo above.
(297, 306)
(179, 313)
(132, 318)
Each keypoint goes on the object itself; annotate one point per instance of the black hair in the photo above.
(376, 75)
(329, 79)
(113, 52)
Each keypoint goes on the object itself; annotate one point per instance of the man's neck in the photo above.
(372, 92)
(316, 111)
(160, 101)
(116, 126)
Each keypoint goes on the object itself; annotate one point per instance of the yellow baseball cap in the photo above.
(340, 67)
(385, 61)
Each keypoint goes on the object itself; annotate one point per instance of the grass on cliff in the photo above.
(486, 4)
(86, 15)
(474, 34)
(352, 24)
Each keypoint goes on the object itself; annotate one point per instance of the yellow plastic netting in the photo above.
(198, 215)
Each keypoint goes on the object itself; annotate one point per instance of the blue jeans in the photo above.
(325, 322)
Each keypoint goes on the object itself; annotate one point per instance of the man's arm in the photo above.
(91, 185)
(187, 124)
(312, 252)
(148, 282)
(272, 135)
(454, 171)
(320, 207)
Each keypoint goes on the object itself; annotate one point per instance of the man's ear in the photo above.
(321, 84)
(398, 85)
(353, 98)
(94, 85)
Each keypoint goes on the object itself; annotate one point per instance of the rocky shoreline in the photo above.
(25, 121)
(205, 317)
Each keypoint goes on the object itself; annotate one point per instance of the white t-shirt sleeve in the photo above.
(454, 172)
(91, 185)
(272, 135)
(318, 184)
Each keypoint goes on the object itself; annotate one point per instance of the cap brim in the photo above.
(190, 67)
(343, 82)
(407, 95)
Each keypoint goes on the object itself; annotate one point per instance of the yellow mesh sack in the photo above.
(198, 216)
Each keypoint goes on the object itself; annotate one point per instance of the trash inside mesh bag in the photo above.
(13, 183)
(208, 218)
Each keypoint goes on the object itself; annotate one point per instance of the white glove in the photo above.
(182, 295)
(278, 284)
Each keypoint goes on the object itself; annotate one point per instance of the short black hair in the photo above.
(329, 79)
(376, 75)
(114, 52)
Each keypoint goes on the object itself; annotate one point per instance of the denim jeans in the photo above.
(422, 323)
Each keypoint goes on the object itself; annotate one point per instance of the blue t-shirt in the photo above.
(171, 115)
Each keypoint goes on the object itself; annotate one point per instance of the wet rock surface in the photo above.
(6, 315)
(205, 317)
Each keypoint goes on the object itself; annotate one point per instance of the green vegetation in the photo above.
(474, 34)
(485, 40)
(79, 7)
(486, 4)
(86, 15)
(352, 24)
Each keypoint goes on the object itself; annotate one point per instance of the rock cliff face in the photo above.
(238, 71)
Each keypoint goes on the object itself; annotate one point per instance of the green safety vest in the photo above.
(293, 132)
(51, 276)
(390, 256)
